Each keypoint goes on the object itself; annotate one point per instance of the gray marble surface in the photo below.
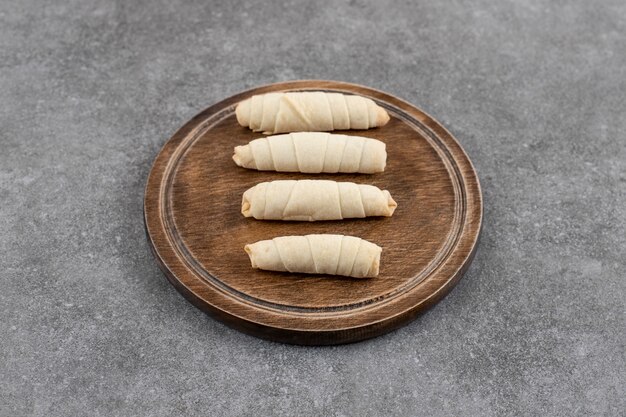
(90, 90)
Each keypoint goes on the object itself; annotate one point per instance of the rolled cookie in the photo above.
(313, 153)
(311, 200)
(309, 111)
(317, 254)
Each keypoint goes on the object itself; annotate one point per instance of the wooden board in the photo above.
(197, 232)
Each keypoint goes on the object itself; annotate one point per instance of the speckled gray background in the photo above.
(90, 90)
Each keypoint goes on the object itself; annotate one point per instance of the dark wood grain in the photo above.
(197, 233)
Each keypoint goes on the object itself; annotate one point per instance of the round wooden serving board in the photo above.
(197, 232)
